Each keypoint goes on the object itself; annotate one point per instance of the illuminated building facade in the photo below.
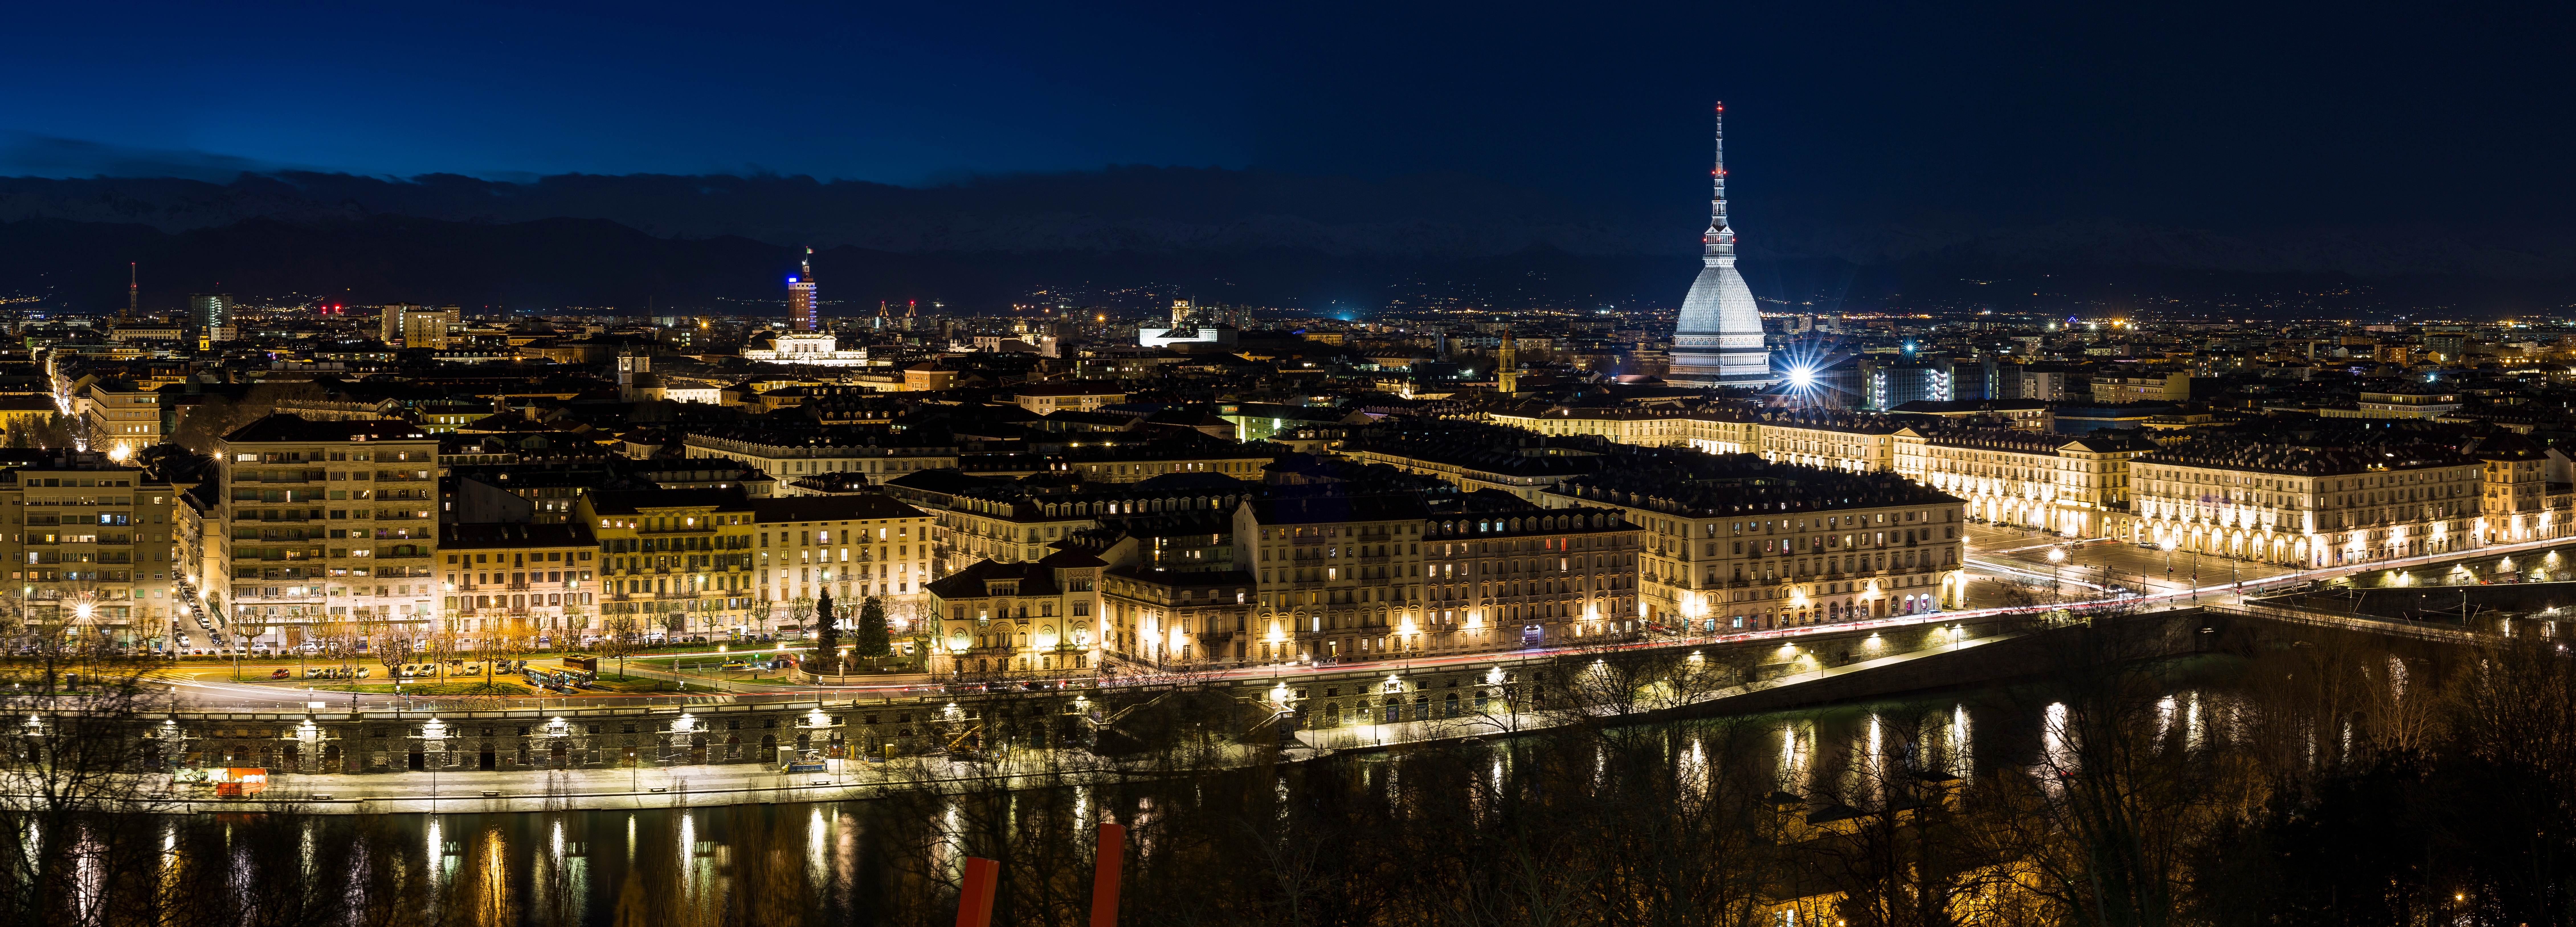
(2075, 486)
(2306, 504)
(1733, 541)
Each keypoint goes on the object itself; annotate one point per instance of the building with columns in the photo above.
(2071, 485)
(2313, 500)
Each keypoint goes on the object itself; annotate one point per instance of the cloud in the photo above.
(24, 154)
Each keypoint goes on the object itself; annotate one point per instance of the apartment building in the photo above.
(678, 563)
(121, 416)
(1643, 426)
(877, 452)
(1503, 574)
(531, 585)
(1476, 457)
(2517, 501)
(418, 326)
(2047, 382)
(1341, 575)
(2142, 386)
(2313, 500)
(1843, 441)
(1033, 617)
(2075, 486)
(1043, 398)
(1186, 619)
(1139, 461)
(1735, 541)
(1855, 442)
(854, 545)
(90, 548)
(1009, 524)
(324, 521)
(2396, 404)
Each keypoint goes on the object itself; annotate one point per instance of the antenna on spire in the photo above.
(808, 266)
(1720, 240)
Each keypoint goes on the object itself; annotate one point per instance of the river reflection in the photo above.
(893, 860)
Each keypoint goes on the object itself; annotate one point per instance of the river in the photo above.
(889, 860)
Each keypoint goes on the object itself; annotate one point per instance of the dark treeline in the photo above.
(2332, 780)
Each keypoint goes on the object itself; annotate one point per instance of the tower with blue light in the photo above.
(802, 313)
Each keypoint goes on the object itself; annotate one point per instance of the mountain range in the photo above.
(1134, 235)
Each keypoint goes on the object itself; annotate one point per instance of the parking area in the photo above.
(2110, 562)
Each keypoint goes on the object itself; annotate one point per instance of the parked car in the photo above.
(281, 674)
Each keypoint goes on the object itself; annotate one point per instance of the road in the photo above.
(1996, 551)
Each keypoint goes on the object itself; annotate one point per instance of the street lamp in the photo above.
(2169, 545)
(2056, 558)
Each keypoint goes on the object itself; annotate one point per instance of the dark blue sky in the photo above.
(2214, 115)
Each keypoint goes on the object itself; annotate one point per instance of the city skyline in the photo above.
(1175, 466)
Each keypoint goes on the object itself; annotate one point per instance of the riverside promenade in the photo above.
(679, 786)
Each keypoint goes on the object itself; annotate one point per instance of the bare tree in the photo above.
(800, 612)
(620, 636)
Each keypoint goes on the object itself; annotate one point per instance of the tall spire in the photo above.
(133, 289)
(1719, 243)
(808, 267)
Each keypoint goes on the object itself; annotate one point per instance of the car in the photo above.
(281, 674)
(997, 687)
(317, 673)
(1041, 685)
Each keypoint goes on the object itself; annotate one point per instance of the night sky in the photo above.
(2217, 116)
